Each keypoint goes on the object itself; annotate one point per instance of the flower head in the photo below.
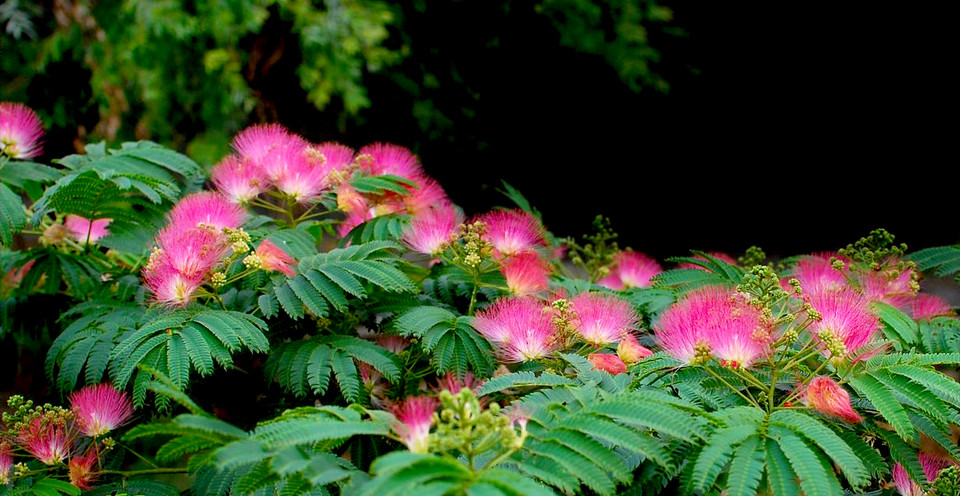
(207, 208)
(817, 274)
(931, 469)
(20, 131)
(630, 350)
(383, 158)
(891, 287)
(512, 231)
(100, 408)
(81, 229)
(258, 142)
(239, 180)
(603, 319)
(522, 328)
(6, 462)
(431, 230)
(829, 398)
(631, 270)
(526, 273)
(82, 473)
(426, 195)
(414, 416)
(609, 362)
(299, 172)
(47, 439)
(846, 322)
(927, 306)
(273, 258)
(453, 383)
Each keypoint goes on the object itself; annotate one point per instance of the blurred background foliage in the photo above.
(191, 73)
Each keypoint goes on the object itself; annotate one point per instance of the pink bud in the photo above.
(630, 350)
(609, 362)
(827, 397)
(273, 258)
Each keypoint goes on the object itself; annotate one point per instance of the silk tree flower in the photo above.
(275, 259)
(414, 416)
(522, 328)
(170, 287)
(453, 383)
(6, 462)
(631, 269)
(609, 362)
(931, 469)
(927, 306)
(715, 254)
(713, 321)
(426, 195)
(82, 474)
(512, 231)
(431, 230)
(48, 440)
(846, 323)
(898, 290)
(20, 131)
(829, 398)
(80, 228)
(602, 319)
(303, 175)
(207, 208)
(384, 158)
(816, 274)
(100, 408)
(239, 180)
(182, 263)
(526, 273)
(258, 142)
(630, 350)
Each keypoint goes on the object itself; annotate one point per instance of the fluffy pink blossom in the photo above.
(928, 306)
(816, 274)
(453, 383)
(432, 229)
(845, 316)
(273, 258)
(414, 416)
(512, 231)
(299, 172)
(192, 252)
(713, 320)
(20, 131)
(349, 200)
(258, 142)
(383, 158)
(829, 398)
(48, 441)
(426, 195)
(522, 328)
(526, 273)
(82, 474)
(80, 228)
(895, 290)
(630, 350)
(931, 469)
(6, 462)
(100, 408)
(170, 287)
(238, 179)
(207, 208)
(723, 257)
(609, 362)
(631, 270)
(603, 319)
(338, 157)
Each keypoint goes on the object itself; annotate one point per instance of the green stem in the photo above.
(724, 381)
(473, 294)
(159, 470)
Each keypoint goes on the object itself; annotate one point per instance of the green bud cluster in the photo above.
(753, 256)
(564, 319)
(218, 279)
(469, 246)
(701, 353)
(596, 253)
(874, 249)
(947, 482)
(465, 427)
(833, 344)
(762, 287)
(23, 412)
(252, 261)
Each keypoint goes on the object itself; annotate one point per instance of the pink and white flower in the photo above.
(845, 318)
(512, 231)
(522, 328)
(239, 180)
(82, 474)
(47, 440)
(928, 306)
(824, 395)
(275, 259)
(82, 230)
(384, 158)
(526, 273)
(20, 131)
(415, 416)
(603, 319)
(6, 462)
(430, 231)
(208, 208)
(258, 142)
(631, 269)
(931, 469)
(816, 274)
(100, 408)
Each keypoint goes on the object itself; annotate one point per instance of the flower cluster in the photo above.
(521, 328)
(21, 131)
(630, 269)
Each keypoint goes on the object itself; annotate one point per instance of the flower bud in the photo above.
(609, 362)
(827, 397)
(630, 351)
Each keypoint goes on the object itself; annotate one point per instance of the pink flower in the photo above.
(892, 288)
(100, 408)
(299, 172)
(193, 252)
(816, 274)
(383, 158)
(713, 320)
(393, 343)
(414, 416)
(522, 328)
(931, 469)
(349, 200)
(207, 208)
(723, 257)
(82, 474)
(258, 142)
(631, 270)
(6, 462)
(827, 397)
(47, 440)
(273, 258)
(80, 228)
(20, 131)
(238, 179)
(451, 382)
(170, 287)
(630, 350)
(526, 273)
(512, 231)
(846, 321)
(431, 230)
(603, 319)
(428, 194)
(927, 306)
(609, 362)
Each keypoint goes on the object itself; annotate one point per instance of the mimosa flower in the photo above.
(603, 319)
(100, 408)
(237, 179)
(6, 462)
(816, 274)
(931, 469)
(82, 473)
(512, 231)
(898, 290)
(927, 306)
(47, 440)
(79, 228)
(631, 270)
(829, 398)
(526, 273)
(428, 194)
(20, 131)
(338, 157)
(522, 328)
(275, 259)
(846, 322)
(630, 350)
(609, 362)
(256, 143)
(414, 416)
(299, 172)
(451, 382)
(169, 286)
(431, 230)
(383, 158)
(208, 208)
(349, 200)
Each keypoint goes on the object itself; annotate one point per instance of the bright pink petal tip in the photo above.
(81, 229)
(608, 362)
(522, 328)
(427, 194)
(829, 398)
(207, 208)
(526, 273)
(258, 142)
(82, 473)
(927, 306)
(906, 486)
(431, 230)
(6, 462)
(603, 319)
(512, 231)
(383, 158)
(237, 179)
(414, 416)
(47, 441)
(631, 270)
(846, 316)
(273, 258)
(453, 383)
(20, 131)
(816, 274)
(100, 408)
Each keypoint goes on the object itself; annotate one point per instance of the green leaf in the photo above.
(886, 403)
(347, 376)
(715, 455)
(815, 477)
(898, 327)
(943, 260)
(12, 215)
(871, 459)
(831, 444)
(522, 379)
(780, 475)
(378, 185)
(746, 468)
